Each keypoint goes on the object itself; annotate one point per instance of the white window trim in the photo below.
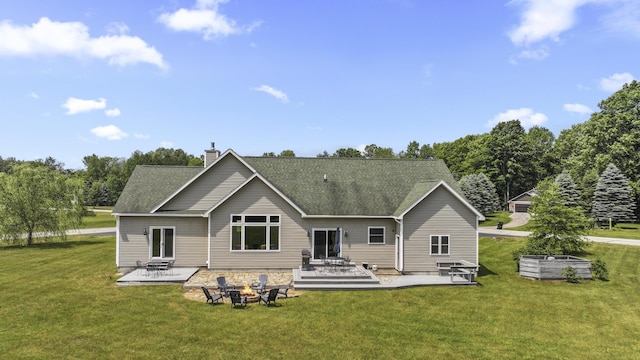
(150, 235)
(439, 245)
(267, 224)
(384, 230)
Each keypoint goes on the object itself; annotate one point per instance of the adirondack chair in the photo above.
(211, 298)
(223, 287)
(260, 285)
(236, 299)
(284, 289)
(269, 298)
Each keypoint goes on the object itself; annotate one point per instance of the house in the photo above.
(522, 202)
(244, 213)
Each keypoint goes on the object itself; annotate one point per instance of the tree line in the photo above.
(508, 157)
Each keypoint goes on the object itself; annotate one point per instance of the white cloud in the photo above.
(538, 54)
(545, 19)
(141, 136)
(204, 18)
(166, 144)
(76, 106)
(624, 17)
(112, 112)
(48, 37)
(614, 82)
(109, 132)
(117, 28)
(527, 117)
(273, 92)
(577, 108)
(33, 95)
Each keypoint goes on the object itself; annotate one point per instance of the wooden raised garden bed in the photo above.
(544, 267)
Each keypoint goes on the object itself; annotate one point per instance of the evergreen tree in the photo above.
(613, 197)
(568, 189)
(480, 192)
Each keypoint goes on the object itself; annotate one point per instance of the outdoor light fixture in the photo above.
(346, 233)
(144, 232)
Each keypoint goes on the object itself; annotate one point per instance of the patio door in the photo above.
(324, 241)
(162, 244)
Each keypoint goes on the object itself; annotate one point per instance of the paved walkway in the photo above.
(517, 219)
(491, 231)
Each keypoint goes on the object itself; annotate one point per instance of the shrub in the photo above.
(570, 274)
(599, 270)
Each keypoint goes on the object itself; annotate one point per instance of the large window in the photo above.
(376, 235)
(255, 232)
(439, 244)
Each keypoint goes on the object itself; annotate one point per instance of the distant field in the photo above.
(59, 300)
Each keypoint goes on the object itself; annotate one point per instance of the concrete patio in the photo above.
(194, 278)
(177, 275)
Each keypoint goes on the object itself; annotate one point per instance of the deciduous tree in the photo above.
(558, 229)
(511, 158)
(37, 199)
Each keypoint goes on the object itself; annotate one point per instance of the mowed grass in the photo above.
(59, 300)
(99, 220)
(621, 231)
(494, 218)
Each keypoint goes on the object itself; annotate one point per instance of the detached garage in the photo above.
(521, 203)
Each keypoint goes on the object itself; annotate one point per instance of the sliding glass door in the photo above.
(162, 243)
(324, 241)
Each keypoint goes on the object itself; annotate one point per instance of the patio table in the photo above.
(156, 267)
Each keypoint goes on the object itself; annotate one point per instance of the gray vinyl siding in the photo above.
(190, 237)
(211, 186)
(356, 245)
(258, 199)
(440, 213)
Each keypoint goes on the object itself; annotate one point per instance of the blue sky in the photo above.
(111, 77)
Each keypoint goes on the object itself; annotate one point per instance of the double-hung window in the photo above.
(376, 235)
(439, 244)
(255, 232)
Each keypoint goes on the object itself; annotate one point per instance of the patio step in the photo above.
(317, 280)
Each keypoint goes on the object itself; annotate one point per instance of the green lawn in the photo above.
(100, 220)
(493, 219)
(59, 300)
(621, 231)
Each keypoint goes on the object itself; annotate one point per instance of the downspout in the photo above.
(117, 241)
(209, 242)
(477, 241)
(399, 259)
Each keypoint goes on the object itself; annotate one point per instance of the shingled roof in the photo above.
(369, 187)
(148, 185)
(353, 187)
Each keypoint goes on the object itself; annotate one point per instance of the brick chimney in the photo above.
(210, 155)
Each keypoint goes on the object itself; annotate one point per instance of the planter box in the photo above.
(550, 267)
